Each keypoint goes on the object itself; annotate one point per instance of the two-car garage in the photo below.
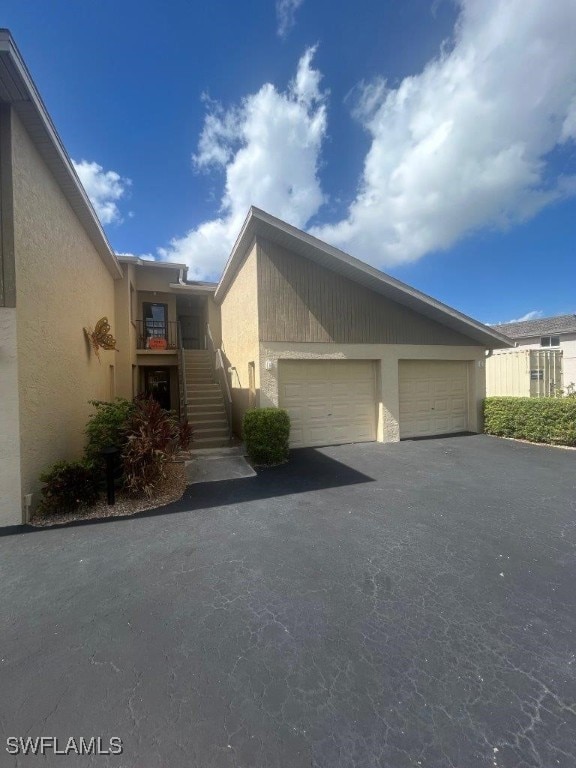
(337, 401)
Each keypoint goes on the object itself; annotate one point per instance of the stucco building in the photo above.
(351, 353)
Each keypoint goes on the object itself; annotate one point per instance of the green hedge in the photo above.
(266, 432)
(540, 419)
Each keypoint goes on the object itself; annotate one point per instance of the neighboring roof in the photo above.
(543, 326)
(260, 223)
(18, 89)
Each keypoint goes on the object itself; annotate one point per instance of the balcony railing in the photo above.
(157, 335)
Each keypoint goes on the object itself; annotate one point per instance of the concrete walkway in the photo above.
(212, 465)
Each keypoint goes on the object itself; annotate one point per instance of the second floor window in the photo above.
(155, 319)
(550, 341)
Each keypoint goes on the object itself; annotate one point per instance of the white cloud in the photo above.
(534, 315)
(269, 147)
(104, 188)
(285, 15)
(463, 144)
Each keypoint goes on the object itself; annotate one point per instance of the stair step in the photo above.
(197, 359)
(209, 386)
(203, 424)
(210, 442)
(205, 432)
(199, 372)
(213, 394)
(206, 409)
(207, 418)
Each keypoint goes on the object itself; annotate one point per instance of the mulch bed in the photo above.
(172, 490)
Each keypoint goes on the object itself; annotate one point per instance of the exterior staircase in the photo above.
(204, 401)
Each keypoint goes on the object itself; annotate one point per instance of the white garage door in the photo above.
(329, 401)
(433, 397)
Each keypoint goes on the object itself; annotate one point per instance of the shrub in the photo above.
(106, 427)
(68, 486)
(266, 433)
(542, 420)
(152, 438)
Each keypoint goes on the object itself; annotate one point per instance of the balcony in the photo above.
(157, 335)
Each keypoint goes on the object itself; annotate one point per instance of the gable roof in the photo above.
(542, 326)
(18, 89)
(262, 224)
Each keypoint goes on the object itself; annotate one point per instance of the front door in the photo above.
(157, 385)
(191, 336)
(155, 323)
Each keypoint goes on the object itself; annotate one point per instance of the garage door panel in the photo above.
(340, 411)
(441, 406)
(443, 423)
(296, 433)
(433, 397)
(441, 387)
(293, 391)
(334, 401)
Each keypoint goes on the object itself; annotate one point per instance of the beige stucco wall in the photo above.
(62, 285)
(387, 357)
(239, 313)
(155, 278)
(125, 331)
(214, 321)
(10, 499)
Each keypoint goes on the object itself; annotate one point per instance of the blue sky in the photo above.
(435, 140)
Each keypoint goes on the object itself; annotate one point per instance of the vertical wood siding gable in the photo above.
(300, 301)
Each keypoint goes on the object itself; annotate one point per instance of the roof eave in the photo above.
(140, 262)
(34, 115)
(190, 288)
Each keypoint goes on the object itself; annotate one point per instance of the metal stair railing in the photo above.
(221, 376)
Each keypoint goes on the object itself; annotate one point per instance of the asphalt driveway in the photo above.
(367, 605)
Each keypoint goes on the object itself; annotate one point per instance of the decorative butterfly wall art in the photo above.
(100, 337)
